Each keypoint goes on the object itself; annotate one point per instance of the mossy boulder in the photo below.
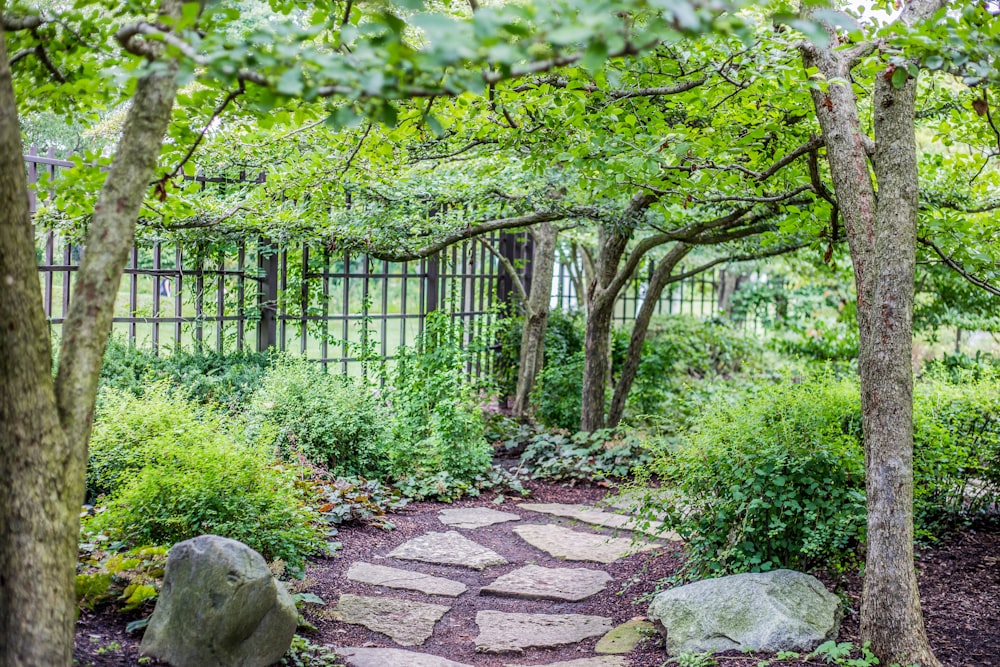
(219, 606)
(774, 611)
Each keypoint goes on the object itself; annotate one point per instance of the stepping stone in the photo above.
(500, 632)
(475, 517)
(393, 657)
(449, 548)
(625, 637)
(405, 622)
(598, 517)
(545, 583)
(391, 577)
(603, 661)
(569, 544)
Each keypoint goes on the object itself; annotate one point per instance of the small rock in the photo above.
(603, 661)
(774, 611)
(598, 517)
(625, 637)
(406, 622)
(475, 517)
(500, 632)
(569, 544)
(449, 548)
(391, 577)
(393, 657)
(219, 606)
(545, 583)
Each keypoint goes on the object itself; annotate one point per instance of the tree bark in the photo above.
(38, 499)
(45, 425)
(633, 356)
(881, 234)
(536, 316)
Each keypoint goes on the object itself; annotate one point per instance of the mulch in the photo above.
(959, 582)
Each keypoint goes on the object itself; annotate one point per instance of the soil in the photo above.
(959, 582)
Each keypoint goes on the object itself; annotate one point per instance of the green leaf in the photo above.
(899, 77)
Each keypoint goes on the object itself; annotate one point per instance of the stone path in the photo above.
(408, 621)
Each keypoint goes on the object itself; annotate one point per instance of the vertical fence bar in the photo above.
(179, 298)
(241, 257)
(324, 341)
(199, 299)
(267, 296)
(282, 290)
(346, 307)
(304, 302)
(133, 293)
(220, 305)
(157, 290)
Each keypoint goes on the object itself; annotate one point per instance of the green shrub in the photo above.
(680, 350)
(208, 377)
(777, 480)
(956, 451)
(437, 428)
(192, 474)
(557, 397)
(334, 421)
(774, 482)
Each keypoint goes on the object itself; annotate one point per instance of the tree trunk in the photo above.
(45, 426)
(891, 618)
(882, 237)
(659, 280)
(39, 503)
(536, 316)
(596, 363)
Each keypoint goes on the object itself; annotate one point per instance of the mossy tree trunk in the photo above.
(44, 423)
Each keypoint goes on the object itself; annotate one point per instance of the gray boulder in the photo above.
(219, 607)
(774, 611)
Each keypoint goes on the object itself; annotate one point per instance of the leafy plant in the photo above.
(186, 470)
(583, 457)
(776, 481)
(208, 377)
(129, 579)
(693, 660)
(304, 653)
(343, 500)
(334, 421)
(437, 437)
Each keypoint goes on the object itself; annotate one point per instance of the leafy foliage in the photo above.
(334, 421)
(207, 377)
(437, 436)
(344, 500)
(777, 480)
(130, 579)
(582, 457)
(180, 471)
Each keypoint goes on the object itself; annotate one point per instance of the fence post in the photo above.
(267, 296)
(433, 282)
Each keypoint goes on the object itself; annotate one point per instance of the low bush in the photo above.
(333, 421)
(778, 479)
(581, 457)
(556, 399)
(182, 470)
(207, 377)
(680, 350)
(774, 482)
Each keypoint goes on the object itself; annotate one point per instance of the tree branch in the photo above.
(508, 266)
(959, 269)
(15, 23)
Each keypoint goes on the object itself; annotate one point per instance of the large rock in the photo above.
(219, 606)
(774, 611)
